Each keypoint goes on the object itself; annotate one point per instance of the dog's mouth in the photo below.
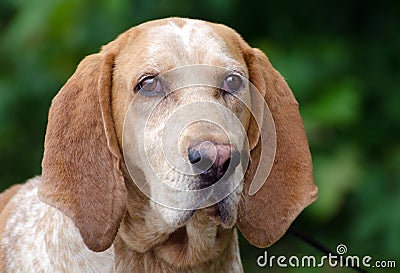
(222, 213)
(219, 207)
(188, 200)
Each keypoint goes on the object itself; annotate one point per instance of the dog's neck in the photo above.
(146, 244)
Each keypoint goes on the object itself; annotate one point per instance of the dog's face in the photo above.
(193, 117)
(186, 125)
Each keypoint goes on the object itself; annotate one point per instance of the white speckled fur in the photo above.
(45, 240)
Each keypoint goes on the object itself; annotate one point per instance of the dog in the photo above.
(157, 149)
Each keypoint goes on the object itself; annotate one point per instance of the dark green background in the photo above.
(341, 59)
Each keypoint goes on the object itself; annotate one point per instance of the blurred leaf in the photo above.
(337, 105)
(336, 175)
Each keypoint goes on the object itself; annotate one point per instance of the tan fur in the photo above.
(289, 187)
(91, 217)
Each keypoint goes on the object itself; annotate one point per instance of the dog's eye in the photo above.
(232, 83)
(150, 86)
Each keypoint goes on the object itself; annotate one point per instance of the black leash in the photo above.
(319, 246)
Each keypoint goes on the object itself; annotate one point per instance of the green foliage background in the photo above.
(341, 59)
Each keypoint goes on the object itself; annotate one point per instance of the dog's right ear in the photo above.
(266, 212)
(81, 163)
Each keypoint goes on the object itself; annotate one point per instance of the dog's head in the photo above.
(192, 115)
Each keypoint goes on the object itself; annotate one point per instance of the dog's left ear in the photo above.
(264, 216)
(81, 163)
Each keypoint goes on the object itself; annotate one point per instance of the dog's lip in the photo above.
(220, 212)
(225, 213)
(213, 211)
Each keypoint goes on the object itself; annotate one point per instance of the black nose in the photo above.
(212, 161)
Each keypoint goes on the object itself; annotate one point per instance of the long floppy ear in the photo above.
(81, 163)
(265, 216)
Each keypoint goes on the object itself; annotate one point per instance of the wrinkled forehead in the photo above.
(176, 42)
